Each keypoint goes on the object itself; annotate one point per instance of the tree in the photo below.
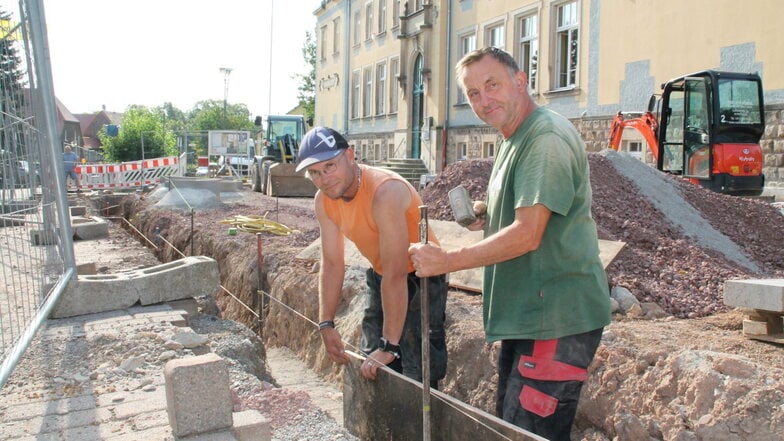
(307, 86)
(12, 84)
(143, 134)
(208, 115)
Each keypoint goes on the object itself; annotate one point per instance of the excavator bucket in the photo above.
(282, 180)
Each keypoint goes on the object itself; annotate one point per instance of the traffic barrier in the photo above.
(126, 174)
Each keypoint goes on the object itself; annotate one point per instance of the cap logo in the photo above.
(329, 140)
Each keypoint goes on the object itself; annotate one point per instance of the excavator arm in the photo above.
(645, 123)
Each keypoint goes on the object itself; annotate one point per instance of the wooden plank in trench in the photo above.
(390, 408)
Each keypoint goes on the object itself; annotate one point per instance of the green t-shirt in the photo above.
(561, 288)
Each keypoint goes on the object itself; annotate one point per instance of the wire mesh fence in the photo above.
(36, 251)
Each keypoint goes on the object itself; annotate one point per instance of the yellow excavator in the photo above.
(272, 171)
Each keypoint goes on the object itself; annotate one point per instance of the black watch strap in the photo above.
(386, 346)
(326, 324)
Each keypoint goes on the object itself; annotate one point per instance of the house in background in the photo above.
(68, 126)
(91, 124)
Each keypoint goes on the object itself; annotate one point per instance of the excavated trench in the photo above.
(689, 374)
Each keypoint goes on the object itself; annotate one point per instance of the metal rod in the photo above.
(260, 263)
(425, 321)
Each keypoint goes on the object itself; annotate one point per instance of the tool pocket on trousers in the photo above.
(537, 402)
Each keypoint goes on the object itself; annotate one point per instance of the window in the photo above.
(381, 87)
(374, 154)
(467, 44)
(634, 148)
(528, 48)
(323, 45)
(488, 150)
(336, 36)
(394, 70)
(355, 94)
(462, 150)
(382, 16)
(494, 36)
(567, 31)
(357, 27)
(396, 14)
(367, 92)
(369, 21)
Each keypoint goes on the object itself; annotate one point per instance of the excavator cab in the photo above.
(710, 129)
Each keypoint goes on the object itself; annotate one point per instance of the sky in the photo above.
(123, 52)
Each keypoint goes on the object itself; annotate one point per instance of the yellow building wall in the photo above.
(678, 37)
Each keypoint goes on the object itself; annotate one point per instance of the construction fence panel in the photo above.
(36, 251)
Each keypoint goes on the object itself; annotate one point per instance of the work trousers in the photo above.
(410, 363)
(539, 382)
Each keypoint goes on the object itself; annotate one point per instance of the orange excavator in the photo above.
(705, 127)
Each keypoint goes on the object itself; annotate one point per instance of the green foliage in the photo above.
(139, 125)
(209, 115)
(307, 86)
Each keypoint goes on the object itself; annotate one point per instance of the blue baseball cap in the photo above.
(319, 144)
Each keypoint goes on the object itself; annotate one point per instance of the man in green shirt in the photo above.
(545, 295)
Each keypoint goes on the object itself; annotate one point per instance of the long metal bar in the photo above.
(424, 310)
(43, 74)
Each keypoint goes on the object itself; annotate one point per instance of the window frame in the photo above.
(527, 46)
(336, 36)
(490, 34)
(369, 21)
(355, 95)
(380, 88)
(382, 16)
(367, 91)
(394, 72)
(462, 39)
(566, 34)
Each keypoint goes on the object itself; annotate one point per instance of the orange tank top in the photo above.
(355, 217)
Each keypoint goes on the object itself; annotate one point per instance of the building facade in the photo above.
(385, 68)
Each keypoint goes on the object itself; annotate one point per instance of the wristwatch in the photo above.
(386, 346)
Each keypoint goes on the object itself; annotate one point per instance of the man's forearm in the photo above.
(394, 300)
(330, 288)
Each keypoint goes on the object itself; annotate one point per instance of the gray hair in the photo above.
(476, 55)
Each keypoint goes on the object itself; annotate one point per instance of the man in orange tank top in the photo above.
(378, 211)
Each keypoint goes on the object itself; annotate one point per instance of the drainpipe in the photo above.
(346, 83)
(448, 81)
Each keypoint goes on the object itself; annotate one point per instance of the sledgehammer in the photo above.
(424, 310)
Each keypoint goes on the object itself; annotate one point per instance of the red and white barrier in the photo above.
(126, 174)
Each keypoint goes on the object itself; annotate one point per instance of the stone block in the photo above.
(198, 398)
(185, 278)
(89, 228)
(251, 425)
(78, 210)
(763, 294)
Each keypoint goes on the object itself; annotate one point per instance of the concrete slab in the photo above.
(763, 303)
(215, 185)
(400, 416)
(251, 425)
(181, 279)
(87, 228)
(764, 294)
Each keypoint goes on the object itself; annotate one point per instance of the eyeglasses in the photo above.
(328, 169)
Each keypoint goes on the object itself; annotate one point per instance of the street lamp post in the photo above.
(226, 71)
